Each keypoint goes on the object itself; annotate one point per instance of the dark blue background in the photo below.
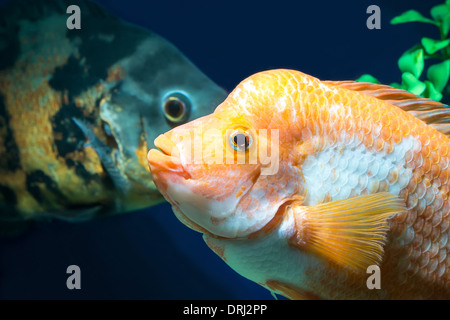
(150, 254)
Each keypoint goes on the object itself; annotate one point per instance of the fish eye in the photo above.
(240, 140)
(176, 108)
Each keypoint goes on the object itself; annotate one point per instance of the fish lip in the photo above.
(166, 159)
(167, 147)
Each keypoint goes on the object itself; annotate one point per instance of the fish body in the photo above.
(355, 177)
(79, 109)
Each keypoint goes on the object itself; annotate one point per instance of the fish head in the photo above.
(101, 95)
(227, 173)
(160, 89)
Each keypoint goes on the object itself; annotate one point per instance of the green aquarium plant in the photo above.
(429, 80)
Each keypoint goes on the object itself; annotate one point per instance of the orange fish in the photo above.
(318, 189)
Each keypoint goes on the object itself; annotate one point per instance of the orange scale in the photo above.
(442, 255)
(435, 171)
(445, 224)
(350, 126)
(427, 228)
(444, 178)
(368, 141)
(443, 150)
(398, 228)
(441, 271)
(428, 213)
(434, 250)
(379, 145)
(405, 129)
(412, 201)
(417, 130)
(418, 225)
(436, 219)
(401, 218)
(312, 100)
(424, 273)
(355, 103)
(435, 158)
(358, 124)
(415, 255)
(367, 127)
(426, 165)
(395, 123)
(434, 236)
(411, 218)
(324, 115)
(345, 100)
(426, 245)
(409, 156)
(386, 133)
(425, 141)
(446, 210)
(424, 260)
(418, 162)
(396, 136)
(309, 88)
(413, 183)
(426, 181)
(438, 202)
(360, 135)
(330, 96)
(417, 243)
(434, 143)
(376, 116)
(357, 111)
(339, 125)
(420, 208)
(445, 163)
(426, 151)
(386, 120)
(318, 92)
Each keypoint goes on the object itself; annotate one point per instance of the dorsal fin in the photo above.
(431, 112)
(443, 128)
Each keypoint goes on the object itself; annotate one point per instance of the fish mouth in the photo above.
(166, 159)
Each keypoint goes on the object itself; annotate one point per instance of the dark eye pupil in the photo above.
(174, 108)
(241, 140)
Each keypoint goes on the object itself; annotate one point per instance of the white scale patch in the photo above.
(339, 169)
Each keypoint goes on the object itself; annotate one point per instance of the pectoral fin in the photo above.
(105, 154)
(349, 232)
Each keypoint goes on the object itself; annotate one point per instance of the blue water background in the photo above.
(150, 254)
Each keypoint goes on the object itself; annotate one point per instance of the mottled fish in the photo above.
(79, 109)
(307, 187)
